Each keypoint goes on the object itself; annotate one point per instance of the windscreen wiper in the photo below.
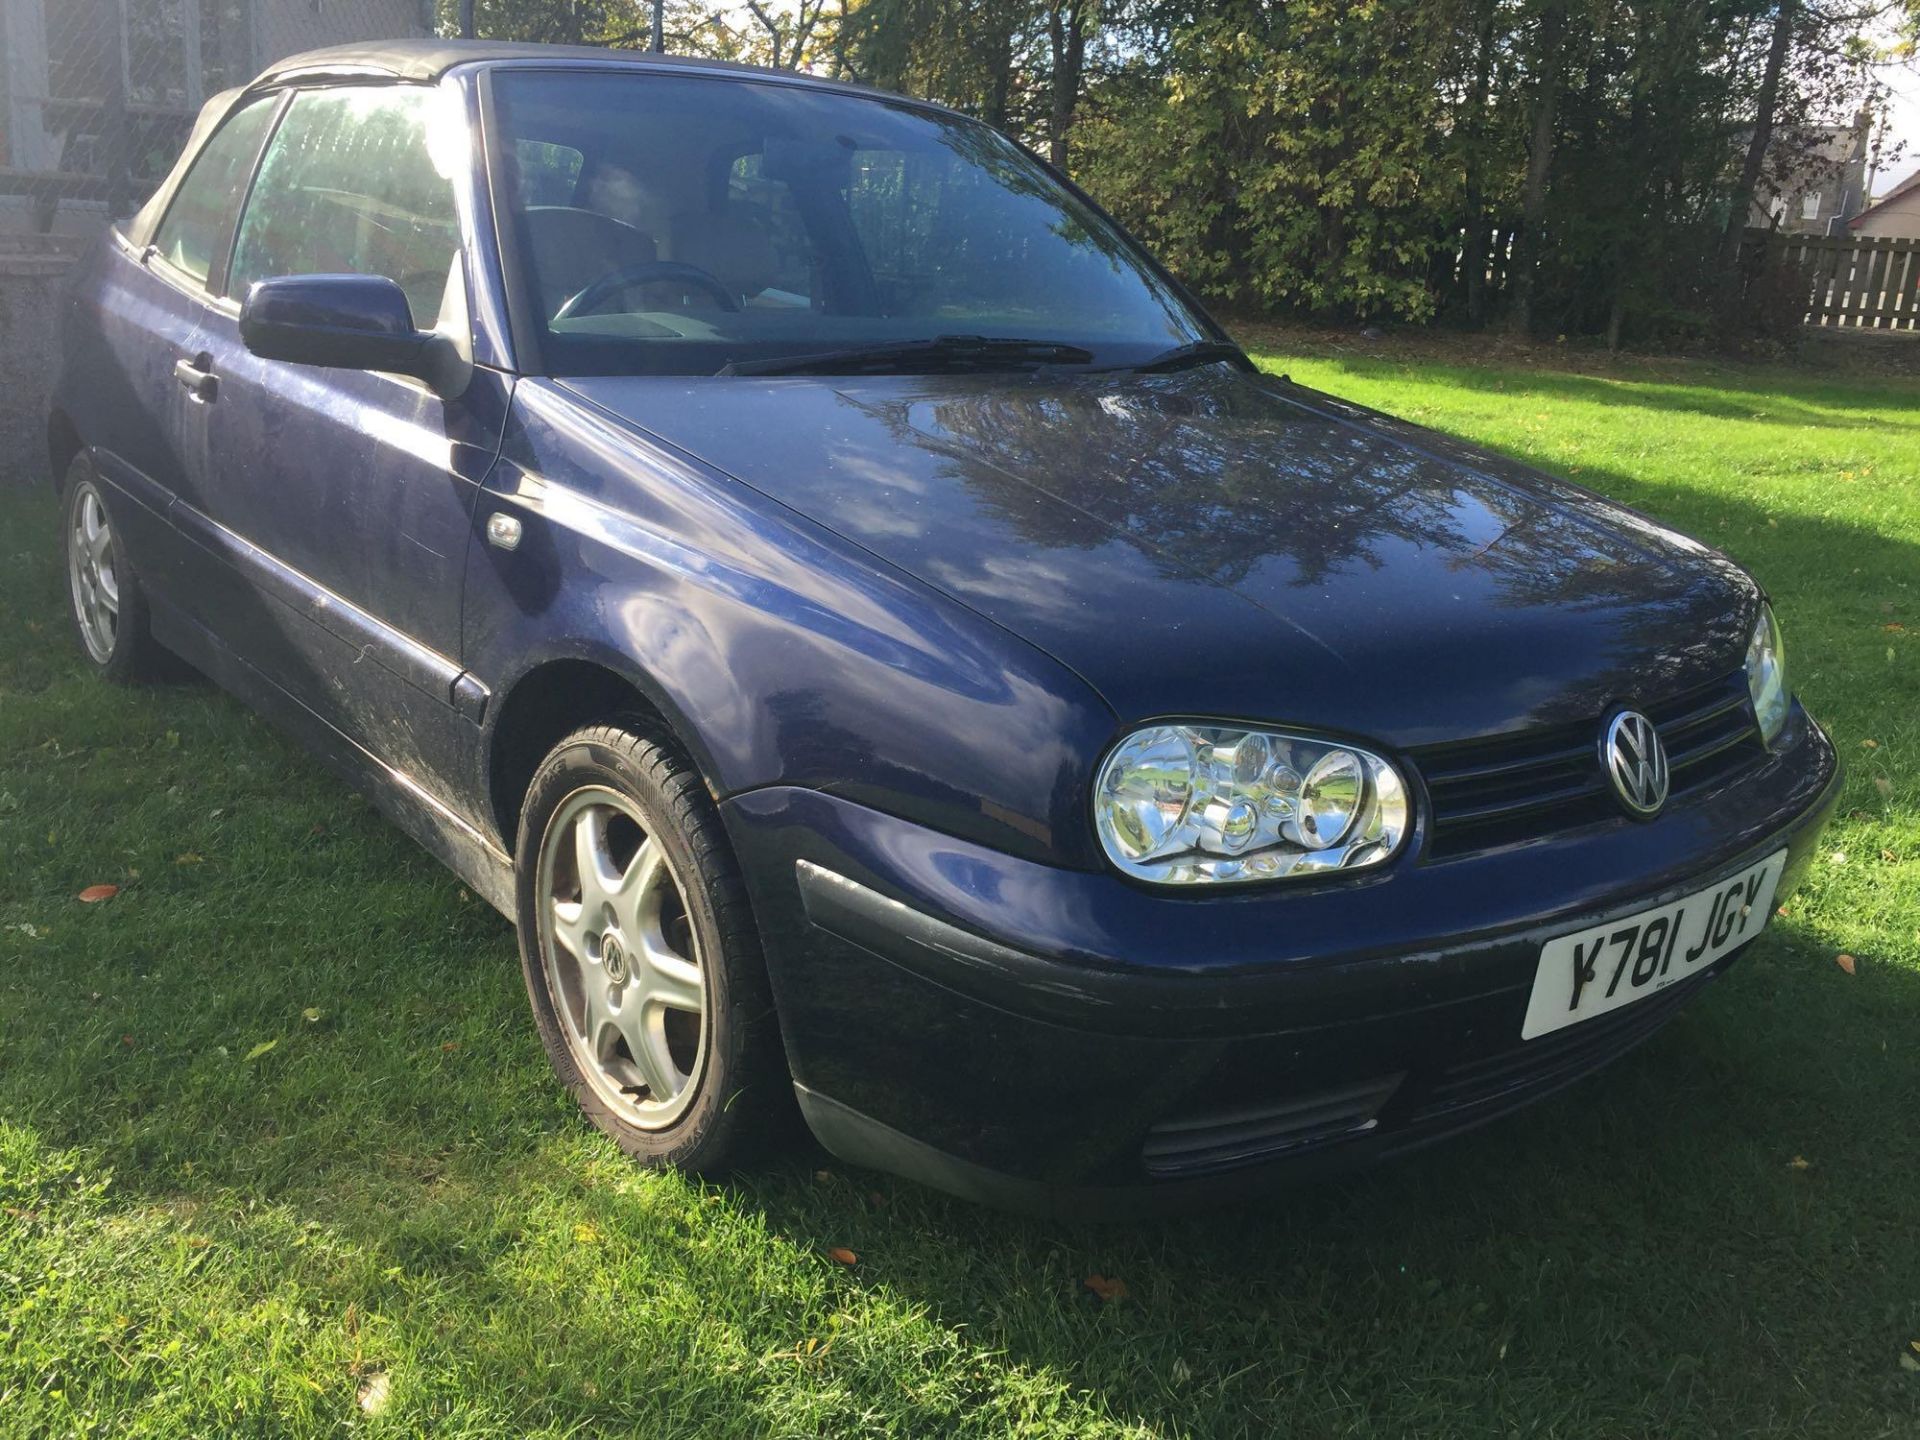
(906, 357)
(1185, 357)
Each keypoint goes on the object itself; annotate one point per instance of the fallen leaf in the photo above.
(1110, 1288)
(189, 858)
(449, 1045)
(1910, 1362)
(312, 1014)
(585, 1234)
(1883, 785)
(262, 1048)
(1894, 627)
(127, 1040)
(374, 1391)
(1869, 744)
(1845, 962)
(1182, 1372)
(94, 894)
(1799, 1162)
(843, 1255)
(1914, 1345)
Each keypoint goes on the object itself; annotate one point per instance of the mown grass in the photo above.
(389, 1222)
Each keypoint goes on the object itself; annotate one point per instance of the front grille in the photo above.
(1535, 1067)
(1223, 1139)
(1492, 793)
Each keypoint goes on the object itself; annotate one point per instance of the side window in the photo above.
(350, 186)
(199, 221)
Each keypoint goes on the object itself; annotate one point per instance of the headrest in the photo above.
(731, 245)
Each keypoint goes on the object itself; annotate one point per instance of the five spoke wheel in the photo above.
(91, 573)
(622, 962)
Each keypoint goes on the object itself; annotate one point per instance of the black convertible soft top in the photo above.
(430, 59)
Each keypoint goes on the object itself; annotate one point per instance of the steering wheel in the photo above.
(646, 272)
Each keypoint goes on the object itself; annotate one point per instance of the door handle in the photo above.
(196, 378)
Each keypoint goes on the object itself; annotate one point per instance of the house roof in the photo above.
(1905, 187)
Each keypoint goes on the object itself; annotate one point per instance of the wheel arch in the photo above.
(548, 702)
(63, 443)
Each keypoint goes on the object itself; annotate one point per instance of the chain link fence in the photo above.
(97, 96)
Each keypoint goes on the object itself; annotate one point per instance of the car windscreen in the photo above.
(679, 224)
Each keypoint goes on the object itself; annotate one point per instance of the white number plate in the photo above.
(1620, 961)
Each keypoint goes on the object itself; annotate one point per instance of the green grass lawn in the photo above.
(279, 1153)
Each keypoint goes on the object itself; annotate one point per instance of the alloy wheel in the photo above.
(621, 959)
(91, 574)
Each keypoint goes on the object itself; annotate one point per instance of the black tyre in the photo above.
(640, 954)
(104, 597)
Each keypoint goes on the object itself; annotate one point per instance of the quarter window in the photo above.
(199, 221)
(350, 186)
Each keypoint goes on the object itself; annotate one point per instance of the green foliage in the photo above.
(1287, 155)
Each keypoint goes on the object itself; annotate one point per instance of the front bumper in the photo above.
(1058, 1039)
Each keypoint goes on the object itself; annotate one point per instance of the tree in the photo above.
(1786, 15)
(1069, 23)
(1548, 59)
(788, 35)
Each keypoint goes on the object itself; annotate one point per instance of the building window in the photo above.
(1810, 205)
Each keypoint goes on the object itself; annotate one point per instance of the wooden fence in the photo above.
(1855, 282)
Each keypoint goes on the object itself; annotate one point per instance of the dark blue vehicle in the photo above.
(884, 645)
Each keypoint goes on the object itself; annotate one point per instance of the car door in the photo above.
(136, 342)
(343, 499)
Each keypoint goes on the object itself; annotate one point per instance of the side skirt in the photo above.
(486, 869)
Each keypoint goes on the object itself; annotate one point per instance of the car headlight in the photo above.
(1190, 804)
(1767, 675)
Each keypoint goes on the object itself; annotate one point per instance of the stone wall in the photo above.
(31, 273)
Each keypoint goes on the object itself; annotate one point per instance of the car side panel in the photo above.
(781, 654)
(340, 504)
(123, 331)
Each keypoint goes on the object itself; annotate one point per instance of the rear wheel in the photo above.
(104, 595)
(639, 952)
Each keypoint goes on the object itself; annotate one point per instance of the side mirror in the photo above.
(348, 322)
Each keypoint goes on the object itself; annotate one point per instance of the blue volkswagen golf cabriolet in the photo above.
(884, 645)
